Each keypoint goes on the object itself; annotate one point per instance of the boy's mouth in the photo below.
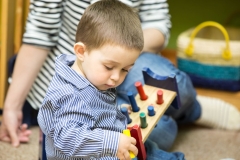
(110, 86)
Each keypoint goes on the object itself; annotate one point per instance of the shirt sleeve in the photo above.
(43, 23)
(71, 129)
(155, 14)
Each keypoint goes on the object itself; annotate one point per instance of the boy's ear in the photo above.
(79, 49)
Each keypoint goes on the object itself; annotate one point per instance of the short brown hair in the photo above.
(112, 22)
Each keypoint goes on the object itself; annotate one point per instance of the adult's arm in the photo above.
(27, 66)
(156, 24)
(42, 28)
(28, 63)
(153, 40)
(41, 33)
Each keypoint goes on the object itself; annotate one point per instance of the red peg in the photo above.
(136, 133)
(160, 97)
(141, 92)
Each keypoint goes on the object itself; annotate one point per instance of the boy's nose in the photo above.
(115, 76)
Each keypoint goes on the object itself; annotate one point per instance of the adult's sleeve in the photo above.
(43, 23)
(155, 14)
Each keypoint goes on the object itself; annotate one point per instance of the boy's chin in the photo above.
(105, 87)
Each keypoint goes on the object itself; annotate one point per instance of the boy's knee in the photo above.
(168, 124)
(167, 128)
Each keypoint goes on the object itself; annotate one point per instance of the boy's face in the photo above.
(107, 67)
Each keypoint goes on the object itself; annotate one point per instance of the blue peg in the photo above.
(132, 100)
(124, 111)
(151, 111)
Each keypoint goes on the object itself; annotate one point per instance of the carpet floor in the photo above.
(197, 143)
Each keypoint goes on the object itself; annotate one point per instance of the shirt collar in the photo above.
(64, 70)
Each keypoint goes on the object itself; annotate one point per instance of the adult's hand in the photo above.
(28, 63)
(11, 129)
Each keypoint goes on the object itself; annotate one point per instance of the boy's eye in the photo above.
(108, 68)
(127, 70)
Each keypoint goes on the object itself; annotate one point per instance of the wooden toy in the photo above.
(151, 101)
(149, 105)
(147, 113)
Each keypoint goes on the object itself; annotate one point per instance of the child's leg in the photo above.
(164, 133)
(216, 113)
(154, 153)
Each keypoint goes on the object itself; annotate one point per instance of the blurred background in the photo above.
(196, 142)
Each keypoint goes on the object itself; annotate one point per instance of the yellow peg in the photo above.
(127, 133)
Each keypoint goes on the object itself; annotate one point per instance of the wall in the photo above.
(189, 13)
(6, 39)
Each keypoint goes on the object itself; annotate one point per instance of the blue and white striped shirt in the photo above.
(79, 121)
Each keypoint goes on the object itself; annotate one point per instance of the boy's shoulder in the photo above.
(59, 91)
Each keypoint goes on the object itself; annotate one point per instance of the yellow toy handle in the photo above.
(226, 53)
(127, 133)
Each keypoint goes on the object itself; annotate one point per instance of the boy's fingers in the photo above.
(133, 141)
(134, 150)
(127, 156)
(129, 107)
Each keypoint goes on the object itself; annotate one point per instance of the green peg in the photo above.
(143, 120)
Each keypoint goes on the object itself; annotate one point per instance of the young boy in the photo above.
(79, 115)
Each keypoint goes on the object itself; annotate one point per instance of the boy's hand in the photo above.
(126, 144)
(128, 106)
